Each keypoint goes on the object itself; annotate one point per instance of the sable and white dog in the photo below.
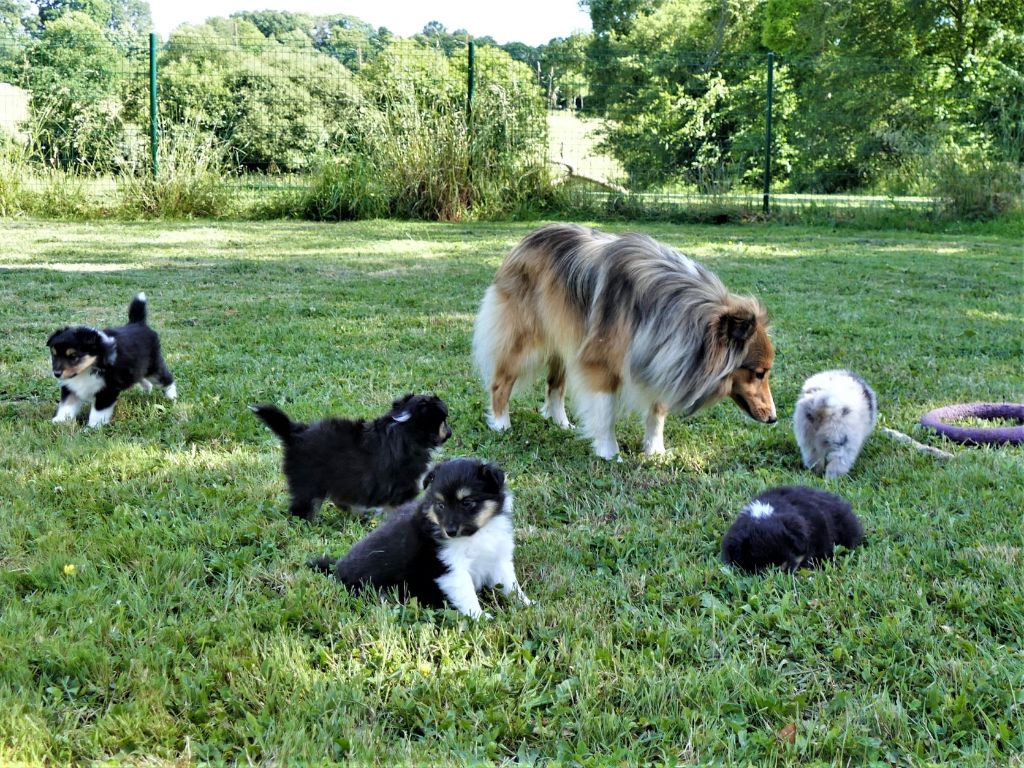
(624, 320)
(834, 415)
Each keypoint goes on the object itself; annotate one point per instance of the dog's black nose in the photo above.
(452, 530)
(56, 374)
(772, 420)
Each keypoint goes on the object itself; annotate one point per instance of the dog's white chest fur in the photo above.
(85, 385)
(481, 560)
(478, 555)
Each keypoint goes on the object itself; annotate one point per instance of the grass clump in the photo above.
(191, 181)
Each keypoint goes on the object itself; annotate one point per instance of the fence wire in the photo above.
(659, 131)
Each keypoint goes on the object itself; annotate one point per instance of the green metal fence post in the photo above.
(470, 81)
(152, 100)
(768, 136)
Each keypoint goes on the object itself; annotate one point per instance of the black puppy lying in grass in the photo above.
(790, 526)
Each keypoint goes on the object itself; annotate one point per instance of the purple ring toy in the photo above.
(978, 435)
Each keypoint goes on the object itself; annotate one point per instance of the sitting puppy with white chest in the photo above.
(791, 526)
(443, 548)
(95, 366)
(361, 464)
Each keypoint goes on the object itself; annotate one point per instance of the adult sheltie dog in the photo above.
(624, 320)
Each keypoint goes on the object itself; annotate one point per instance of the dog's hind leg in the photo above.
(506, 372)
(654, 434)
(166, 380)
(554, 404)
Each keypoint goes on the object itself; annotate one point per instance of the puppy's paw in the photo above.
(146, 385)
(97, 418)
(172, 392)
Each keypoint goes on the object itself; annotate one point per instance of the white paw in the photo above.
(607, 449)
(99, 418)
(654, 447)
(63, 416)
(499, 424)
(557, 416)
(172, 392)
(147, 385)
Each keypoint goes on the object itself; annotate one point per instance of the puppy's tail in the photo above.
(137, 309)
(323, 564)
(278, 421)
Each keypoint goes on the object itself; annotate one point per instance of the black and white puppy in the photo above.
(790, 526)
(360, 464)
(97, 366)
(443, 548)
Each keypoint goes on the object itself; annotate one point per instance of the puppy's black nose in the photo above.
(56, 374)
(452, 530)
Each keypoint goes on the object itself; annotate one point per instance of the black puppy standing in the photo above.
(442, 548)
(354, 463)
(95, 366)
(791, 526)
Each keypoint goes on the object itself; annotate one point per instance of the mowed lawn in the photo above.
(154, 602)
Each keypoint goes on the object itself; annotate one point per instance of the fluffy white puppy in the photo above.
(834, 415)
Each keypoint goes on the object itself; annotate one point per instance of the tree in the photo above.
(16, 28)
(124, 22)
(76, 108)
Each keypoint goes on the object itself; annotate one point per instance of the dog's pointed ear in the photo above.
(429, 478)
(401, 402)
(492, 474)
(737, 325)
(109, 346)
(402, 417)
(55, 334)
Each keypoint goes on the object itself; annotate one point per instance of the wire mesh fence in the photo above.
(399, 127)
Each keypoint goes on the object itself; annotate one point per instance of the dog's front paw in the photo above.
(499, 423)
(607, 449)
(654, 447)
(172, 392)
(97, 418)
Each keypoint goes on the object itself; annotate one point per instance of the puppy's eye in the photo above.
(467, 504)
(760, 374)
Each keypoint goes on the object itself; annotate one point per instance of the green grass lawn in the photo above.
(155, 606)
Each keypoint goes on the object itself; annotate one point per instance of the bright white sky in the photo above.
(529, 21)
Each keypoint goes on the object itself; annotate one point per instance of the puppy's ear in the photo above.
(428, 478)
(401, 402)
(55, 334)
(402, 417)
(736, 326)
(492, 475)
(109, 344)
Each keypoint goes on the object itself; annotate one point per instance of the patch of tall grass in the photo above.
(434, 165)
(190, 181)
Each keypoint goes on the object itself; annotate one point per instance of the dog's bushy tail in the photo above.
(137, 309)
(278, 421)
(323, 564)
